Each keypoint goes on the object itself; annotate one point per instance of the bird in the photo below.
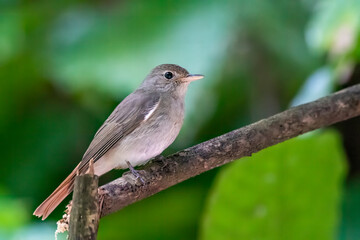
(141, 127)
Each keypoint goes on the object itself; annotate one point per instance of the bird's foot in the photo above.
(135, 173)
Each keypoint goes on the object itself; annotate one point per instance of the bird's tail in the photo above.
(60, 193)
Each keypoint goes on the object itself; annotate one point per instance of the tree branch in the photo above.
(164, 173)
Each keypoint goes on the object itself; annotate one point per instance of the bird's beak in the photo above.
(193, 77)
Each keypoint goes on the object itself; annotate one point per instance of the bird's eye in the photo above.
(168, 75)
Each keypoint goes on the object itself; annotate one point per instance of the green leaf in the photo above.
(288, 191)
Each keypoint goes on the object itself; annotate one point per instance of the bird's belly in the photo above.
(138, 147)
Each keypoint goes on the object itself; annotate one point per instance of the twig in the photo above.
(84, 217)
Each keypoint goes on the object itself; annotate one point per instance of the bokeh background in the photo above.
(64, 66)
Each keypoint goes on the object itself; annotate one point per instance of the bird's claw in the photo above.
(135, 173)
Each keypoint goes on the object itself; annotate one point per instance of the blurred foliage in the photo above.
(349, 228)
(177, 218)
(334, 28)
(13, 214)
(64, 65)
(297, 192)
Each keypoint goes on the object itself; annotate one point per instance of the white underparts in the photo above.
(151, 111)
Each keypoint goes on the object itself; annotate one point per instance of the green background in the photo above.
(65, 65)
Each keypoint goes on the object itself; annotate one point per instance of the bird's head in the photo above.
(169, 77)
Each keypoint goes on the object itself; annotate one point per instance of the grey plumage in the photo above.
(140, 128)
(126, 117)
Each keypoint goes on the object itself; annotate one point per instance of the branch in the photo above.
(162, 174)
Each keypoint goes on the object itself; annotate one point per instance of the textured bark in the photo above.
(163, 173)
(84, 217)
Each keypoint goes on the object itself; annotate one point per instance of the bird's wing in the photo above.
(127, 116)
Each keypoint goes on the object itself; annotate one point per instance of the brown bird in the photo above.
(144, 124)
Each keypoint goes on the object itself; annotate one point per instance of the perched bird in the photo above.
(143, 125)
